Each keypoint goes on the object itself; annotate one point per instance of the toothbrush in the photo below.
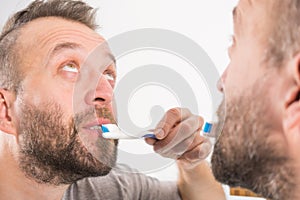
(112, 131)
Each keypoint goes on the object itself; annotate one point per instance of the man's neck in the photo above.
(15, 185)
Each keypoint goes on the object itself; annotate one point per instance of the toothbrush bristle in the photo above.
(104, 129)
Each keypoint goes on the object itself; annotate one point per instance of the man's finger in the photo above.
(150, 141)
(178, 134)
(170, 120)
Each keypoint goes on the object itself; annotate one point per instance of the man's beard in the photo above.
(246, 153)
(52, 152)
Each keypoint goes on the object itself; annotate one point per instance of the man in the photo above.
(259, 145)
(56, 86)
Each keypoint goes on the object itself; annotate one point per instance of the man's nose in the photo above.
(104, 92)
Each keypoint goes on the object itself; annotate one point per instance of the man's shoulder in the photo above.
(99, 187)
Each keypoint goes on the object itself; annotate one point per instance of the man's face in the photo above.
(69, 75)
(251, 151)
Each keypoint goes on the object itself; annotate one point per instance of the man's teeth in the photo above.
(98, 127)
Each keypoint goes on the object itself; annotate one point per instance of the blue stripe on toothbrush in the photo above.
(207, 127)
(104, 129)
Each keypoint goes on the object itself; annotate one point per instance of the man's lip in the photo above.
(97, 122)
(103, 121)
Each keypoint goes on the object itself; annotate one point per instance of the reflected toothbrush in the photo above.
(112, 131)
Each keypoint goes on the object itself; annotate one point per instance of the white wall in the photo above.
(208, 23)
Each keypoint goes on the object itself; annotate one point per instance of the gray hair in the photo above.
(74, 10)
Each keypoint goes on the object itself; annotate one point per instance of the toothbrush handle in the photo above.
(149, 136)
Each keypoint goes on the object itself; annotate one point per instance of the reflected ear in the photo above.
(6, 123)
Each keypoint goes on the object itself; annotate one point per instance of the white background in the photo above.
(208, 23)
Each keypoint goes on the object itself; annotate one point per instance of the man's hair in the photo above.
(74, 10)
(284, 31)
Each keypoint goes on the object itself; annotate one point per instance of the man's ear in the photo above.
(292, 76)
(6, 122)
(291, 116)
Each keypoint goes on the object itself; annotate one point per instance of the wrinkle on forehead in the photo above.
(61, 34)
(49, 30)
(38, 39)
(35, 58)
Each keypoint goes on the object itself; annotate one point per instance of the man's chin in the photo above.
(217, 162)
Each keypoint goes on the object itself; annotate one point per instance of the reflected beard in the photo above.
(52, 152)
(246, 153)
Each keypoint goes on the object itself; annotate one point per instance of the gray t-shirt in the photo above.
(122, 183)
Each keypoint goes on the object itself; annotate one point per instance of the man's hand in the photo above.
(178, 137)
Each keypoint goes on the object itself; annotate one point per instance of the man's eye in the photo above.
(70, 67)
(109, 77)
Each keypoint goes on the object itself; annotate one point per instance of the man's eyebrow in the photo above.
(63, 46)
(69, 45)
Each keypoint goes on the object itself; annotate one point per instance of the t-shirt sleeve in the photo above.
(123, 183)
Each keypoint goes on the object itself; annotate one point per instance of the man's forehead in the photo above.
(50, 30)
(52, 37)
(244, 5)
(251, 12)
(246, 2)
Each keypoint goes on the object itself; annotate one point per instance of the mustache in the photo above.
(105, 113)
(92, 113)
